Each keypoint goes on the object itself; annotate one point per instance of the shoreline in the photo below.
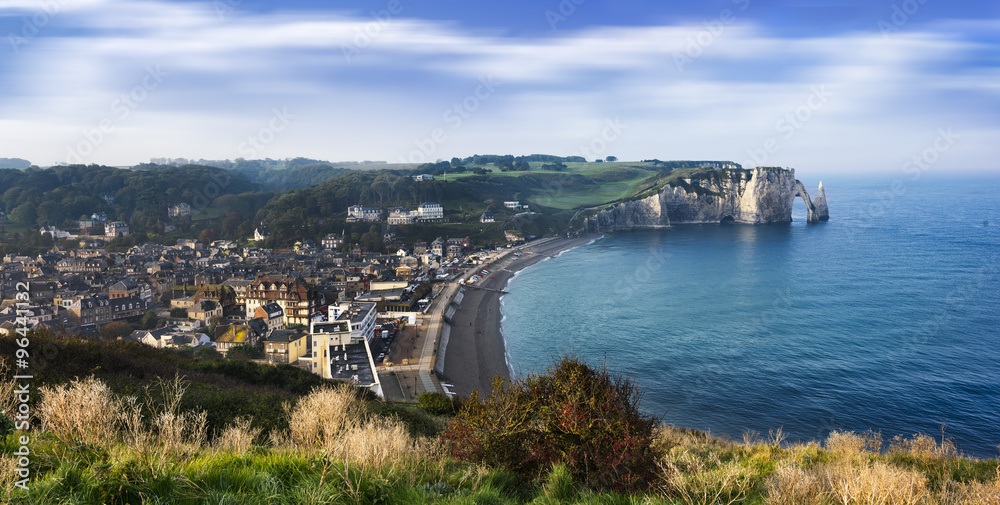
(476, 350)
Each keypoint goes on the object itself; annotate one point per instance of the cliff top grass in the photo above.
(97, 446)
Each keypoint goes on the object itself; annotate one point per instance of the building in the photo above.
(272, 314)
(90, 310)
(179, 210)
(430, 211)
(116, 229)
(286, 346)
(423, 177)
(124, 289)
(513, 236)
(405, 272)
(437, 247)
(453, 250)
(399, 215)
(513, 205)
(231, 335)
(332, 241)
(205, 310)
(487, 217)
(360, 318)
(77, 265)
(261, 233)
(359, 213)
(296, 298)
(129, 308)
(338, 354)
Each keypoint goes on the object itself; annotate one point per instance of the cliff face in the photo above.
(742, 196)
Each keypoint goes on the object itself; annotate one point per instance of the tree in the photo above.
(612, 158)
(207, 353)
(208, 235)
(178, 312)
(245, 352)
(24, 214)
(116, 330)
(149, 321)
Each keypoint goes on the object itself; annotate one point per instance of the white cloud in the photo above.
(226, 73)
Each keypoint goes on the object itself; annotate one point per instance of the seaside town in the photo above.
(331, 307)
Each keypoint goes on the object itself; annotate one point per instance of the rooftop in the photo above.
(350, 362)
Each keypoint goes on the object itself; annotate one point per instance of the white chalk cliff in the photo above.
(757, 196)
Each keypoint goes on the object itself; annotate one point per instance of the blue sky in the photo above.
(822, 86)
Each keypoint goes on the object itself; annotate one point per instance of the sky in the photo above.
(829, 86)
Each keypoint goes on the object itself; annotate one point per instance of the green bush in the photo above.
(436, 403)
(585, 419)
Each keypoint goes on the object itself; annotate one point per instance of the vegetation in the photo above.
(94, 443)
(587, 420)
(307, 199)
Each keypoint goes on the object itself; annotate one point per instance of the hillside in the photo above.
(336, 446)
(302, 198)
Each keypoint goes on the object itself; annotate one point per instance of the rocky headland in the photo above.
(756, 196)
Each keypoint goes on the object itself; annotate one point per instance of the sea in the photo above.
(885, 318)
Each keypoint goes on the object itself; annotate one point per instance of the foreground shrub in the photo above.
(585, 419)
(436, 403)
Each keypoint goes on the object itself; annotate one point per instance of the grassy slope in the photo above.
(389, 454)
(614, 181)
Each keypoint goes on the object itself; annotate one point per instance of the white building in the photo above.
(514, 205)
(340, 348)
(359, 213)
(399, 215)
(261, 233)
(332, 241)
(430, 211)
(116, 229)
(423, 177)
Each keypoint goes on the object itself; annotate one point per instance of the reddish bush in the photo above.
(584, 418)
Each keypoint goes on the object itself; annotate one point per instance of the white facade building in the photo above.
(359, 213)
(430, 211)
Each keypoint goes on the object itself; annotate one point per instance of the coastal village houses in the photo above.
(286, 346)
(295, 297)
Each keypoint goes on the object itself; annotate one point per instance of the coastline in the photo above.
(476, 350)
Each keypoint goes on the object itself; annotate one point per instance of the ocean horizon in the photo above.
(885, 318)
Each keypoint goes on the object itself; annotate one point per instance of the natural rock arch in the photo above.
(816, 211)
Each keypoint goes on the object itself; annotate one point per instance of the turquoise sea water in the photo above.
(887, 317)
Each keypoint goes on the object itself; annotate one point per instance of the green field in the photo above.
(610, 182)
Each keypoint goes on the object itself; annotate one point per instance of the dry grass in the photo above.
(791, 485)
(333, 420)
(974, 493)
(7, 476)
(8, 401)
(320, 420)
(877, 484)
(923, 447)
(80, 411)
(846, 483)
(238, 437)
(377, 444)
(849, 443)
(177, 431)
